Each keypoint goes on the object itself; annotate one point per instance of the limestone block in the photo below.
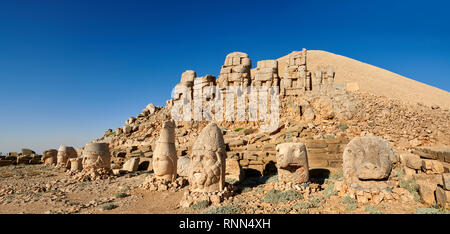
(412, 161)
(131, 165)
(442, 197)
(426, 191)
(183, 166)
(233, 170)
(446, 181)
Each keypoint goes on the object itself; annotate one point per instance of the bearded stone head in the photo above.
(367, 162)
(96, 155)
(207, 166)
(292, 163)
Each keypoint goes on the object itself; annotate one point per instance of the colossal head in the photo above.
(292, 163)
(64, 154)
(50, 156)
(165, 155)
(207, 166)
(187, 78)
(367, 162)
(96, 155)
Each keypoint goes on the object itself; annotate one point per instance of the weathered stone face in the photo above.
(367, 162)
(292, 163)
(96, 155)
(207, 166)
(165, 155)
(64, 154)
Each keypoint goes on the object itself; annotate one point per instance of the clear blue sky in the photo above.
(71, 69)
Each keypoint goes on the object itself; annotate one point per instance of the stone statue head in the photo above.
(367, 162)
(165, 155)
(64, 154)
(96, 155)
(187, 78)
(207, 166)
(292, 163)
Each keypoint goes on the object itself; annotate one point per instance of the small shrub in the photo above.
(109, 207)
(303, 205)
(343, 127)
(337, 175)
(121, 195)
(283, 210)
(275, 196)
(348, 200)
(224, 210)
(352, 206)
(272, 179)
(238, 129)
(245, 189)
(373, 210)
(329, 191)
(200, 205)
(315, 201)
(412, 187)
(430, 211)
(303, 212)
(231, 181)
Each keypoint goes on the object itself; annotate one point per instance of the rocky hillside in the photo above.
(324, 119)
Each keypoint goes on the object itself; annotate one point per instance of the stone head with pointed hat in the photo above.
(165, 155)
(207, 166)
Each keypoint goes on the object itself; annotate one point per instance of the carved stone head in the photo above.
(64, 154)
(207, 166)
(96, 155)
(292, 163)
(165, 155)
(367, 162)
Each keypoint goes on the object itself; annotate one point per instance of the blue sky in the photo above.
(71, 69)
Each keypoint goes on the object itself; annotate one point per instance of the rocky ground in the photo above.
(47, 190)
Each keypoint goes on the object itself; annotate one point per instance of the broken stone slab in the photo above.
(442, 197)
(446, 181)
(432, 166)
(412, 161)
(434, 152)
(131, 165)
(426, 191)
(183, 166)
(233, 170)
